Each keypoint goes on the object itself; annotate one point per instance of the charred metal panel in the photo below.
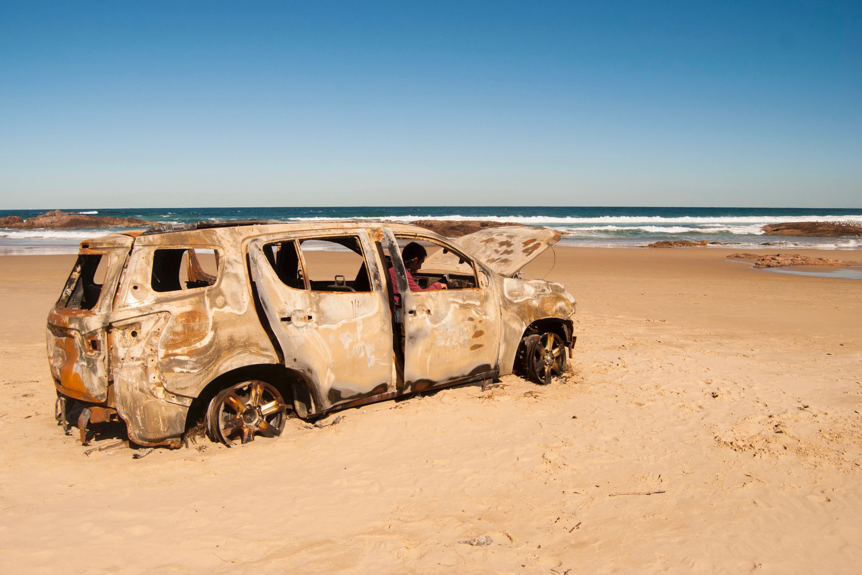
(78, 360)
(504, 249)
(340, 341)
(76, 338)
(524, 302)
(152, 413)
(449, 334)
(212, 329)
(121, 241)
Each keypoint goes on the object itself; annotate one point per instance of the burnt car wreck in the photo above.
(244, 324)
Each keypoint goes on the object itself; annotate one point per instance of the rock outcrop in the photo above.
(11, 221)
(681, 244)
(59, 220)
(784, 260)
(814, 229)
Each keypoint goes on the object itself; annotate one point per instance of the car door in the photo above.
(450, 335)
(336, 333)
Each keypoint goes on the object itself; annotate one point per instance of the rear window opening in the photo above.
(84, 287)
(184, 269)
(284, 259)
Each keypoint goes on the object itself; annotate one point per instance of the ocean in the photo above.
(606, 227)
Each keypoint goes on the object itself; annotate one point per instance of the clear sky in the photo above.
(175, 104)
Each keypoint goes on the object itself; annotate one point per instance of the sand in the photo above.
(730, 395)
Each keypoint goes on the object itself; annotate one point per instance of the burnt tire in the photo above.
(245, 410)
(544, 357)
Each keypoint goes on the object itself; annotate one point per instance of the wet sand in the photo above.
(710, 423)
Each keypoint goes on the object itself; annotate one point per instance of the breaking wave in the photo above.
(664, 224)
(72, 235)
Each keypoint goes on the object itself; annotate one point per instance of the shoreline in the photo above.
(739, 228)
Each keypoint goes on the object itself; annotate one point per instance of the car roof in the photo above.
(256, 227)
(505, 250)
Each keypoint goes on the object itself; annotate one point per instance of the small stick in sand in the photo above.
(106, 447)
(636, 493)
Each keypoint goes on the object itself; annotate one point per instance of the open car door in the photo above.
(450, 335)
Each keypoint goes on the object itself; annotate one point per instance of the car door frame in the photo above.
(465, 322)
(323, 326)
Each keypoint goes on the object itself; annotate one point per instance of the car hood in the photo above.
(504, 249)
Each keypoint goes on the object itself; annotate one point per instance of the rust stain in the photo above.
(532, 248)
(478, 334)
(187, 328)
(476, 346)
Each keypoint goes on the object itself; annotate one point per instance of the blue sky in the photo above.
(175, 104)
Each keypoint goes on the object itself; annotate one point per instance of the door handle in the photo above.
(411, 312)
(289, 318)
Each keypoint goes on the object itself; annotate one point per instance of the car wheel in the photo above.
(545, 357)
(244, 410)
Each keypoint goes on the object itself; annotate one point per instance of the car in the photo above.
(242, 324)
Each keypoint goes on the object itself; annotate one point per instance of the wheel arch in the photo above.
(562, 327)
(290, 383)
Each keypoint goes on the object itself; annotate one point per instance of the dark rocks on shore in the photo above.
(11, 221)
(458, 228)
(813, 229)
(682, 244)
(784, 260)
(59, 220)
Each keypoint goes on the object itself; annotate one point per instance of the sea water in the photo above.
(581, 226)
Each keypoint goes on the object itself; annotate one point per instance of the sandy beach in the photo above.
(710, 424)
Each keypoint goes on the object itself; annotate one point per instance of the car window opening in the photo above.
(284, 259)
(183, 269)
(442, 265)
(335, 264)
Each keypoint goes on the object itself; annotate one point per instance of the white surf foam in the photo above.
(52, 234)
(628, 221)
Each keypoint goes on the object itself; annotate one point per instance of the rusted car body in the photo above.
(242, 323)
